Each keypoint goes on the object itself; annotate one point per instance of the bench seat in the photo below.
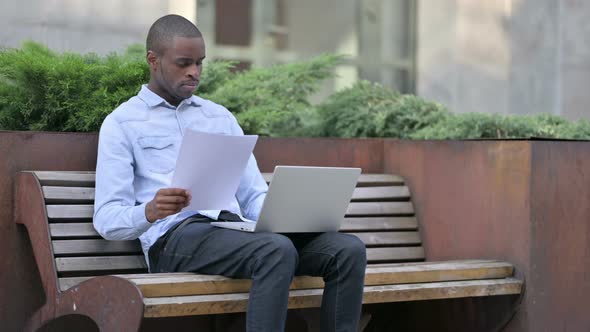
(57, 208)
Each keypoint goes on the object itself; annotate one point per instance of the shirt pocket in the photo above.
(158, 153)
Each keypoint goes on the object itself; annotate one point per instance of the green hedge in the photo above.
(44, 90)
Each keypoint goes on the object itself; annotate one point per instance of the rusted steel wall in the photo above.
(525, 202)
(364, 153)
(471, 197)
(559, 292)
(519, 201)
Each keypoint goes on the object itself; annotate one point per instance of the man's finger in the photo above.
(170, 207)
(173, 192)
(171, 199)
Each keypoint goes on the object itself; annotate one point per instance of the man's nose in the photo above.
(194, 72)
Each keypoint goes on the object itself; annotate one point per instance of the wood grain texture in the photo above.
(381, 193)
(402, 254)
(95, 247)
(70, 179)
(87, 179)
(367, 224)
(70, 211)
(352, 224)
(73, 195)
(100, 263)
(390, 239)
(380, 209)
(72, 230)
(68, 195)
(366, 179)
(309, 298)
(194, 284)
(183, 283)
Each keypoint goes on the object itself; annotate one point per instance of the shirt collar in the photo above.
(153, 100)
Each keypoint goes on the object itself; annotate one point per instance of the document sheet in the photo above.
(210, 166)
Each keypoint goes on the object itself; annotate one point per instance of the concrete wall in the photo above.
(509, 57)
(311, 32)
(84, 25)
(504, 56)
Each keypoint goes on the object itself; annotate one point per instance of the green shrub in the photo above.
(354, 112)
(370, 110)
(408, 115)
(495, 126)
(44, 90)
(271, 101)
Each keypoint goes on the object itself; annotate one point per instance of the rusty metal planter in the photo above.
(521, 201)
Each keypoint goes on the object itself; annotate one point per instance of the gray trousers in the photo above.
(271, 260)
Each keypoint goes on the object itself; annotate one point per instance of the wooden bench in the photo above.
(108, 280)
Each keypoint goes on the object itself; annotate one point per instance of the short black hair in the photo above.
(166, 28)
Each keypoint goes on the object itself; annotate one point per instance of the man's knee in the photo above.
(353, 249)
(278, 249)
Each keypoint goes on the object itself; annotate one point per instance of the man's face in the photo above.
(176, 73)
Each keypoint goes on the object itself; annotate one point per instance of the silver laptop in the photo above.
(303, 199)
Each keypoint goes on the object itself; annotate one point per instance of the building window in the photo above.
(377, 37)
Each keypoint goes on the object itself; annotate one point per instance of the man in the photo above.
(138, 146)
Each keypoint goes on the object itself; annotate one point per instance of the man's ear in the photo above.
(152, 59)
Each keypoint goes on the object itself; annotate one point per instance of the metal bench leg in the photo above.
(113, 303)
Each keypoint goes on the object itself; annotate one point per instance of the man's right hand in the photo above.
(167, 201)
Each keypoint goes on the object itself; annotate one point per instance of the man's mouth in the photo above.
(192, 84)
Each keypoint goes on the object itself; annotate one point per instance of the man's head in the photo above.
(175, 54)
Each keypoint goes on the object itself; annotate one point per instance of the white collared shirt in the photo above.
(137, 150)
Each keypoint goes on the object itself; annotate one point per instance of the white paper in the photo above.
(210, 166)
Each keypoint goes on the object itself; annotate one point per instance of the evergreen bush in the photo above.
(272, 101)
(44, 90)
(495, 126)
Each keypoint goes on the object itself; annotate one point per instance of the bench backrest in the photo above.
(381, 214)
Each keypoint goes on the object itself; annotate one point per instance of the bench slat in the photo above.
(72, 195)
(87, 179)
(475, 268)
(308, 298)
(98, 246)
(379, 223)
(381, 193)
(71, 179)
(54, 194)
(73, 230)
(380, 209)
(85, 247)
(70, 211)
(389, 238)
(365, 180)
(100, 263)
(403, 254)
(194, 284)
(354, 209)
(86, 230)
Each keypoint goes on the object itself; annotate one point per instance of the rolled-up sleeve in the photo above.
(116, 217)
